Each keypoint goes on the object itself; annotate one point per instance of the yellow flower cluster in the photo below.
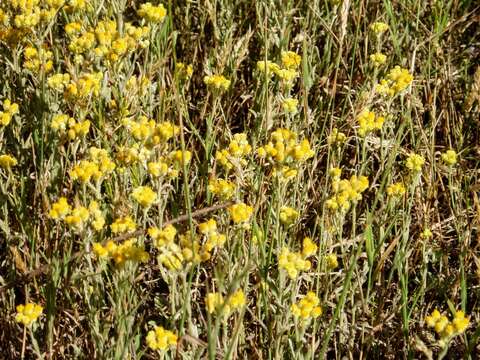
(99, 166)
(224, 189)
(415, 162)
(290, 62)
(379, 27)
(163, 237)
(368, 122)
(307, 307)
(144, 195)
(77, 217)
(236, 152)
(217, 82)
(7, 161)
(447, 329)
(332, 261)
(396, 189)
(240, 212)
(284, 148)
(152, 13)
(58, 82)
(213, 237)
(161, 339)
(189, 249)
(86, 86)
(127, 156)
(449, 157)
(290, 105)
(309, 248)
(378, 58)
(288, 215)
(37, 60)
(149, 132)
(285, 173)
(66, 125)
(397, 80)
(216, 303)
(295, 262)
(105, 40)
(123, 224)
(267, 66)
(346, 191)
(9, 110)
(120, 254)
(28, 313)
(60, 209)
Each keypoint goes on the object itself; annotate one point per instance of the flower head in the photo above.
(144, 195)
(7, 161)
(217, 82)
(161, 339)
(449, 157)
(28, 313)
(152, 13)
(379, 27)
(415, 162)
(240, 212)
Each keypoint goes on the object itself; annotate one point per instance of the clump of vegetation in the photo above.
(239, 179)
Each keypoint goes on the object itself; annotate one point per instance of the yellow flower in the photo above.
(378, 58)
(332, 261)
(7, 161)
(267, 66)
(160, 339)
(401, 78)
(152, 13)
(396, 189)
(120, 254)
(292, 262)
(180, 158)
(237, 300)
(98, 218)
(9, 110)
(379, 27)
(240, 212)
(415, 162)
(28, 313)
(208, 227)
(144, 195)
(290, 105)
(369, 122)
(444, 327)
(309, 247)
(224, 189)
(426, 234)
(162, 237)
(217, 82)
(288, 215)
(78, 217)
(213, 301)
(307, 307)
(287, 75)
(60, 209)
(58, 82)
(450, 157)
(460, 322)
(290, 59)
(123, 224)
